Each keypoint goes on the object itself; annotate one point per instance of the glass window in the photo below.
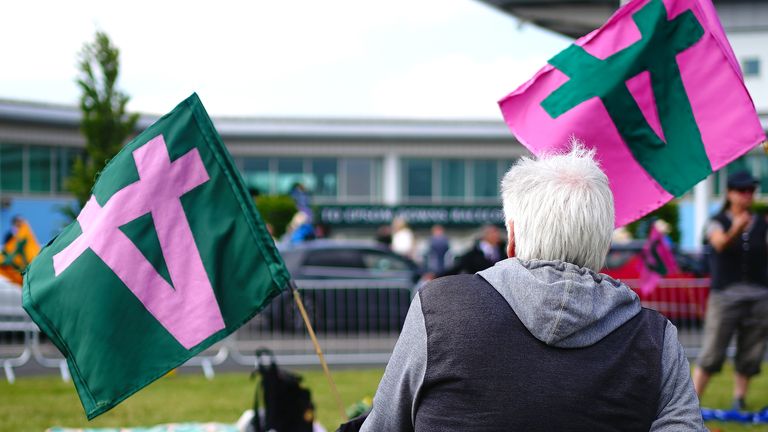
(739, 164)
(486, 178)
(11, 167)
(382, 261)
(256, 174)
(763, 170)
(418, 177)
(717, 179)
(65, 160)
(751, 67)
(39, 169)
(505, 166)
(358, 177)
(335, 258)
(324, 179)
(452, 178)
(289, 172)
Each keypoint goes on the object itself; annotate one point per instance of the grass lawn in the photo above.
(36, 403)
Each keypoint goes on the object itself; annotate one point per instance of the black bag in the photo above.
(353, 425)
(287, 405)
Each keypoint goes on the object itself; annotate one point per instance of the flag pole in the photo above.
(318, 351)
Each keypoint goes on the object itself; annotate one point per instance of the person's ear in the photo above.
(510, 240)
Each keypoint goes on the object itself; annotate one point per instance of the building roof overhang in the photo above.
(572, 18)
(311, 129)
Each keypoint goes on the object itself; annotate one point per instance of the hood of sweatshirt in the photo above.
(562, 304)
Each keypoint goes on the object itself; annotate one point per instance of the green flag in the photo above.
(167, 257)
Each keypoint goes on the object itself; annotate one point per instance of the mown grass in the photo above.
(37, 403)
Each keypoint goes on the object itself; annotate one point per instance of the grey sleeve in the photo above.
(678, 404)
(394, 405)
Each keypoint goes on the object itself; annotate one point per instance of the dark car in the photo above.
(346, 286)
(333, 259)
(681, 295)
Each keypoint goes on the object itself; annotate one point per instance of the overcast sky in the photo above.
(308, 58)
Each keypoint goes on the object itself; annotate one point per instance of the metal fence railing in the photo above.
(357, 322)
(683, 301)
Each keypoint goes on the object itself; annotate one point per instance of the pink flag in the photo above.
(656, 91)
(658, 261)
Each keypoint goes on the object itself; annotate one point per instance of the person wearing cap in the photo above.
(738, 299)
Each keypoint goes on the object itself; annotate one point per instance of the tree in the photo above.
(669, 213)
(276, 210)
(105, 123)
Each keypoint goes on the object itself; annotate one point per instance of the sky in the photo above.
(426, 59)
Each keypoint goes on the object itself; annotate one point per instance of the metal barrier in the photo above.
(684, 302)
(356, 321)
(16, 329)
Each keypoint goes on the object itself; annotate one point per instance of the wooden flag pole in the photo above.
(318, 351)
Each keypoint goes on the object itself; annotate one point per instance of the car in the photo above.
(335, 259)
(680, 295)
(346, 286)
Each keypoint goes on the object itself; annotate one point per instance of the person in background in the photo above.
(302, 201)
(403, 242)
(437, 248)
(486, 252)
(384, 236)
(738, 298)
(299, 230)
(540, 341)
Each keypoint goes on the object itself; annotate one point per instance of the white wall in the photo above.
(754, 45)
(746, 25)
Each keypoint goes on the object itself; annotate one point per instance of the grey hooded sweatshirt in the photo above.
(560, 304)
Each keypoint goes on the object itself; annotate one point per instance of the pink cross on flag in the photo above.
(658, 261)
(656, 91)
(167, 257)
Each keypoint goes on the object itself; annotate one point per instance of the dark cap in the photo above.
(741, 180)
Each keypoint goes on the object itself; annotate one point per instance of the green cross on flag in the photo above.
(166, 258)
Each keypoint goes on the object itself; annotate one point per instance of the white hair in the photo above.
(560, 207)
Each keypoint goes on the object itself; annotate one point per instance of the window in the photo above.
(763, 174)
(65, 160)
(486, 178)
(383, 262)
(324, 179)
(755, 164)
(289, 172)
(11, 168)
(256, 174)
(39, 169)
(418, 178)
(334, 258)
(717, 179)
(452, 178)
(361, 178)
(750, 67)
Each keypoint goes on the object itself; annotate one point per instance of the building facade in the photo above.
(360, 173)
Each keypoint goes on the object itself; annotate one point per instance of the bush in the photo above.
(669, 213)
(276, 210)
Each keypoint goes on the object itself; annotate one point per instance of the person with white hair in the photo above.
(541, 341)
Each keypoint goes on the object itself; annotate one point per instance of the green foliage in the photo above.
(276, 210)
(105, 123)
(760, 207)
(669, 213)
